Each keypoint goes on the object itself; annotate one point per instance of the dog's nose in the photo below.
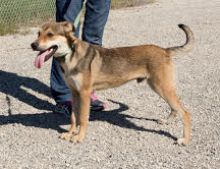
(34, 45)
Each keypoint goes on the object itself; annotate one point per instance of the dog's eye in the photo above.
(38, 34)
(50, 34)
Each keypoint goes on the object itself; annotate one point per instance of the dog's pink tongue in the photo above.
(39, 61)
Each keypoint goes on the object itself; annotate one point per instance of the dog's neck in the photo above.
(69, 60)
(63, 58)
(78, 59)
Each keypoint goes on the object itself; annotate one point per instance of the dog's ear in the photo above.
(69, 30)
(68, 27)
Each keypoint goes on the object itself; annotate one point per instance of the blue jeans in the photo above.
(95, 19)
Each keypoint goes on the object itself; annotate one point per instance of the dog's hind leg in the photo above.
(163, 85)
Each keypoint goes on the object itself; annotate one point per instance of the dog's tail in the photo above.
(187, 47)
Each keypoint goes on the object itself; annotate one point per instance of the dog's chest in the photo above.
(73, 80)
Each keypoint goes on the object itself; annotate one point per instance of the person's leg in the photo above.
(95, 20)
(96, 16)
(66, 10)
(61, 8)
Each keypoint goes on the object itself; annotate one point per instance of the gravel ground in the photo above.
(125, 136)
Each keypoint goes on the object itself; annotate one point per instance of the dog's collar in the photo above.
(61, 58)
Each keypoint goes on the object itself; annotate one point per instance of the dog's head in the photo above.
(54, 39)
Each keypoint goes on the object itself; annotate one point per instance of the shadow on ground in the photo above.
(13, 85)
(53, 121)
(115, 117)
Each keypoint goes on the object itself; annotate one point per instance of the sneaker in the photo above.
(97, 105)
(66, 107)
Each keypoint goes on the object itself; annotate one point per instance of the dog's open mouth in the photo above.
(43, 56)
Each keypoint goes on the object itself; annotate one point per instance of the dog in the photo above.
(88, 67)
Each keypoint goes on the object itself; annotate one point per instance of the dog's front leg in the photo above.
(83, 115)
(73, 118)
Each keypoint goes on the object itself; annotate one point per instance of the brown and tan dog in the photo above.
(88, 67)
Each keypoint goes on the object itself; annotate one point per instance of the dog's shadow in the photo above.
(54, 121)
(116, 117)
(11, 84)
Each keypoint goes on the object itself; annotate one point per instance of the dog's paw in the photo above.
(182, 142)
(66, 136)
(77, 139)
